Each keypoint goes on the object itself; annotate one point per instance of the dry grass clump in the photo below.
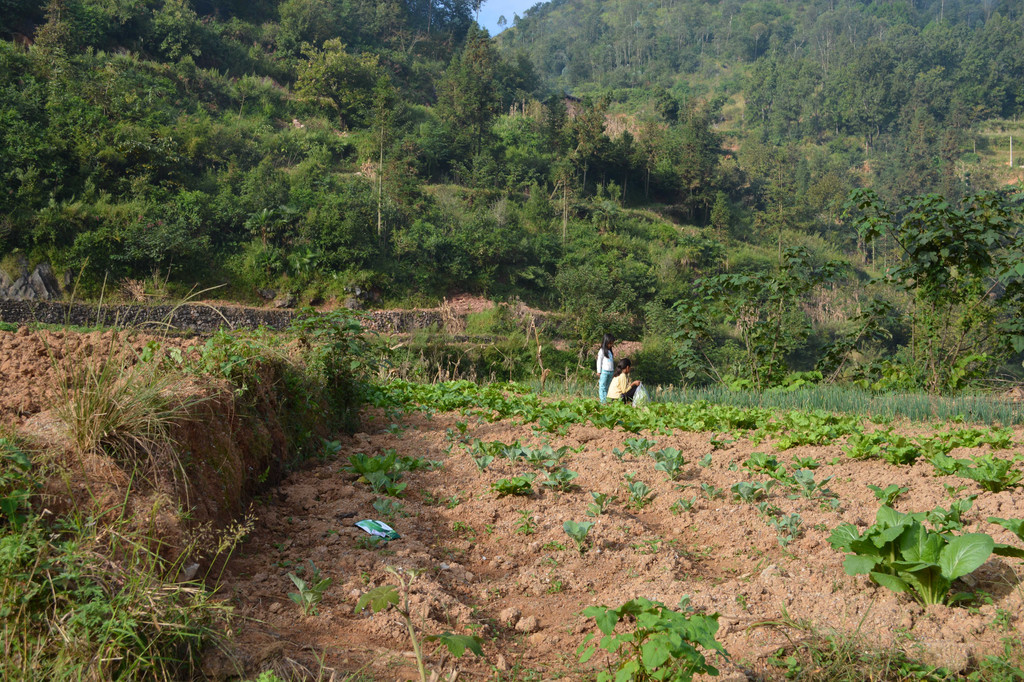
(121, 407)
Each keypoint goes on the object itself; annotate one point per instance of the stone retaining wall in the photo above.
(193, 317)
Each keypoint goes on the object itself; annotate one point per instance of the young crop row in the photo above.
(787, 430)
(656, 640)
(920, 554)
(790, 429)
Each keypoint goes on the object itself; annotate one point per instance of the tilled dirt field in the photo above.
(32, 363)
(524, 592)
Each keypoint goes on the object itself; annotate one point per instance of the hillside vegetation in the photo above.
(392, 152)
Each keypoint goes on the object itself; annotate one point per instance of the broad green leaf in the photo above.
(859, 565)
(379, 598)
(457, 644)
(843, 535)
(889, 581)
(919, 545)
(964, 554)
(584, 652)
(655, 652)
(888, 517)
(702, 630)
(1009, 551)
(1015, 526)
(606, 621)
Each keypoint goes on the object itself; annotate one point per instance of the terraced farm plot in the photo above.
(721, 510)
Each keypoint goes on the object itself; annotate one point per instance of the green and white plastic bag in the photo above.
(378, 529)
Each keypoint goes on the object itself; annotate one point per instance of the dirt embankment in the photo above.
(524, 592)
(225, 445)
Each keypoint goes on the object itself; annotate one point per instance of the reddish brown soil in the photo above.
(524, 593)
(31, 364)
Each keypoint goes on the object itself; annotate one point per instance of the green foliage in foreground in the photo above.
(661, 645)
(515, 485)
(70, 612)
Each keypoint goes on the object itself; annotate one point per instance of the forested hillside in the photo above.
(607, 160)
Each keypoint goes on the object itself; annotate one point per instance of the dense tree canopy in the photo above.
(606, 159)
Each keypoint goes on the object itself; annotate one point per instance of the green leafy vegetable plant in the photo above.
(682, 505)
(750, 492)
(764, 463)
(720, 443)
(991, 473)
(898, 552)
(638, 447)
(458, 433)
(660, 645)
(885, 445)
(670, 460)
(482, 461)
(640, 494)
(601, 503)
(515, 485)
(888, 494)
(389, 508)
(560, 479)
(805, 484)
(711, 491)
(951, 519)
(578, 532)
(382, 482)
(805, 463)
(787, 527)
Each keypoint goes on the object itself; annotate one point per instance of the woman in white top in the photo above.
(605, 366)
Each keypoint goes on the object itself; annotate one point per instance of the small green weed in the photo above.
(310, 591)
(526, 525)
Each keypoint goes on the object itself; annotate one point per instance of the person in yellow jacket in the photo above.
(621, 388)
